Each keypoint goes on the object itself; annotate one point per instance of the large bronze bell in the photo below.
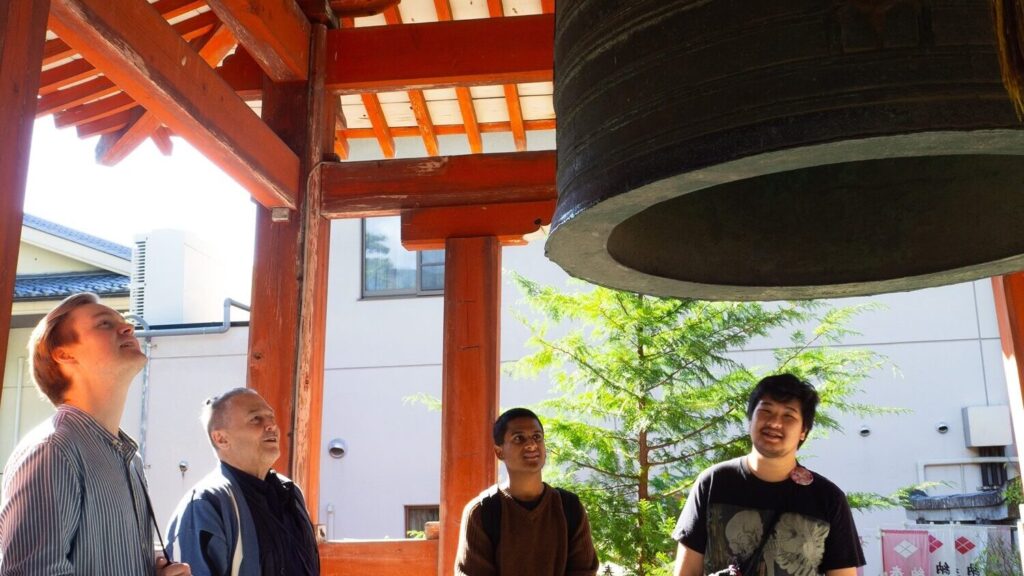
(767, 149)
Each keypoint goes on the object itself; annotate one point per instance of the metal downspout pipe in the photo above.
(147, 334)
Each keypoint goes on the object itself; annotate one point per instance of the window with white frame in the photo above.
(391, 270)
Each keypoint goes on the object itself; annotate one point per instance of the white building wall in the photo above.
(183, 372)
(36, 260)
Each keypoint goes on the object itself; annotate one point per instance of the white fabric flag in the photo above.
(969, 543)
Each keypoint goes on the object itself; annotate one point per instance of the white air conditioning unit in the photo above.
(176, 279)
(987, 426)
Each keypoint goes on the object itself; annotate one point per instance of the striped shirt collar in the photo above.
(123, 444)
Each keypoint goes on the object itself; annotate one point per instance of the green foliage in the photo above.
(868, 501)
(650, 394)
(1012, 493)
(999, 558)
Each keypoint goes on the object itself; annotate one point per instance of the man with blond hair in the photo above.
(73, 499)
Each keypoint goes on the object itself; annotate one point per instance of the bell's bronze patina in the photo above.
(764, 149)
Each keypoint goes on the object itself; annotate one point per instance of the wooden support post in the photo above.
(1009, 300)
(469, 396)
(22, 37)
(286, 334)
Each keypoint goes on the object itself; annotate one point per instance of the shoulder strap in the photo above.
(573, 511)
(490, 510)
(750, 565)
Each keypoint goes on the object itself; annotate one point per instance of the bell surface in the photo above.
(761, 150)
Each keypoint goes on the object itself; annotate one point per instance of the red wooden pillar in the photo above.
(1009, 300)
(289, 286)
(469, 397)
(22, 35)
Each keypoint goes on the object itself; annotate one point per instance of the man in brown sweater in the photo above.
(524, 527)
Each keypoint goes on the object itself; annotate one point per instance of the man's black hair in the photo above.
(783, 388)
(501, 424)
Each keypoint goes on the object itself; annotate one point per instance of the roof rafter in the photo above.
(380, 124)
(515, 107)
(178, 86)
(274, 32)
(57, 49)
(112, 148)
(108, 124)
(449, 129)
(466, 107)
(54, 100)
(417, 101)
(515, 116)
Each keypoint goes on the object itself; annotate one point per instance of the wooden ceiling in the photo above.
(421, 69)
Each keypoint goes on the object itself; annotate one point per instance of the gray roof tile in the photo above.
(59, 286)
(106, 246)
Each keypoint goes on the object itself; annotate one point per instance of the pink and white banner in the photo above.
(905, 552)
(948, 550)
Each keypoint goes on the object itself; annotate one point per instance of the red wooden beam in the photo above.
(466, 109)
(243, 74)
(476, 143)
(87, 91)
(57, 49)
(478, 52)
(340, 142)
(94, 110)
(181, 90)
(274, 32)
(359, 8)
(515, 116)
(424, 122)
(56, 78)
(417, 101)
(162, 139)
(100, 86)
(379, 558)
(319, 11)
(375, 188)
(469, 376)
(440, 54)
(443, 9)
(547, 6)
(449, 129)
(429, 228)
(108, 124)
(288, 322)
(71, 72)
(380, 124)
(113, 148)
(23, 30)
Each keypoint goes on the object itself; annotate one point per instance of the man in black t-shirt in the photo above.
(763, 513)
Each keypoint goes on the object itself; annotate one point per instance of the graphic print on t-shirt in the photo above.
(795, 547)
